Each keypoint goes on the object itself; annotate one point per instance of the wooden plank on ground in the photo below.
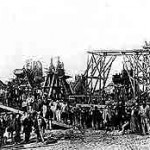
(61, 124)
(11, 109)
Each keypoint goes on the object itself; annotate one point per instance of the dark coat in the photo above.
(28, 123)
(49, 114)
(96, 115)
(11, 125)
(17, 124)
(2, 127)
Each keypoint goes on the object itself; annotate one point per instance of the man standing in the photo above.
(2, 129)
(27, 123)
(38, 124)
(144, 118)
(49, 116)
(17, 124)
(96, 118)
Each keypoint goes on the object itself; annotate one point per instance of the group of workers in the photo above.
(39, 113)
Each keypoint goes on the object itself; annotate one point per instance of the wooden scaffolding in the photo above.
(99, 65)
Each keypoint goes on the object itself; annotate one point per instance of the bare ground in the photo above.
(90, 140)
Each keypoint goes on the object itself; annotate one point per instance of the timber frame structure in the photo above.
(56, 85)
(99, 65)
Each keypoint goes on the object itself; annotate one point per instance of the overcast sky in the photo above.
(68, 28)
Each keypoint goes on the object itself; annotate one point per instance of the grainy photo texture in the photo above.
(74, 74)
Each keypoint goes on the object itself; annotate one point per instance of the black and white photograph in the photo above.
(74, 75)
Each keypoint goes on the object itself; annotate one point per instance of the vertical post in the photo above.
(148, 59)
(100, 80)
(91, 76)
(143, 65)
(87, 75)
(103, 75)
(134, 76)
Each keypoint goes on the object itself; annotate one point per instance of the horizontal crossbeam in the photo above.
(119, 52)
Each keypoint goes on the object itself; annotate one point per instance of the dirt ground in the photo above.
(90, 140)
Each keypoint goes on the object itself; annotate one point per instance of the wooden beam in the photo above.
(11, 109)
(94, 71)
(126, 68)
(107, 74)
(97, 63)
(95, 86)
(119, 52)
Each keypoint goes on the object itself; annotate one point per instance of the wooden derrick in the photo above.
(55, 83)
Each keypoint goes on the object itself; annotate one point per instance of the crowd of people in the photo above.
(40, 111)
